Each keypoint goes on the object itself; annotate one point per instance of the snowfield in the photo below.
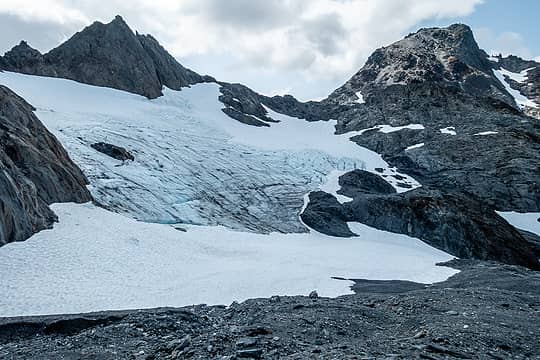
(95, 260)
(207, 213)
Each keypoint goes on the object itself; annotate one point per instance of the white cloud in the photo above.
(43, 10)
(316, 40)
(504, 43)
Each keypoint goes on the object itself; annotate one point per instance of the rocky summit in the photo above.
(98, 56)
(422, 169)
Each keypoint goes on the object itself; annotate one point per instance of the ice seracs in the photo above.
(193, 164)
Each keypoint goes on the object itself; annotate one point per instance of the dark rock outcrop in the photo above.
(448, 57)
(454, 223)
(326, 215)
(358, 182)
(514, 63)
(109, 55)
(169, 72)
(415, 81)
(114, 151)
(244, 105)
(35, 171)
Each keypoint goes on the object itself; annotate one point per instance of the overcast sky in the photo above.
(303, 47)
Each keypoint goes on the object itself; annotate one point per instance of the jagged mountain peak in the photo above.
(443, 57)
(22, 56)
(109, 55)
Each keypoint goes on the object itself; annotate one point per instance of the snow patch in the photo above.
(96, 260)
(520, 77)
(448, 130)
(331, 186)
(416, 146)
(388, 129)
(360, 97)
(493, 58)
(524, 221)
(519, 98)
(485, 133)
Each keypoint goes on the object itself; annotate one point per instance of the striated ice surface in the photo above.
(193, 164)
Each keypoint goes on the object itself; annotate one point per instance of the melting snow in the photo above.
(416, 146)
(387, 129)
(448, 130)
(97, 260)
(519, 77)
(331, 186)
(360, 97)
(525, 221)
(519, 98)
(486, 133)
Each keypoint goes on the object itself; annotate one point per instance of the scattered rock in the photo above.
(114, 151)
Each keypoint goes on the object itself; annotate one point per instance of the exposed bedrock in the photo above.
(35, 171)
(451, 222)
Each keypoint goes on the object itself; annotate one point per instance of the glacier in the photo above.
(208, 212)
(193, 164)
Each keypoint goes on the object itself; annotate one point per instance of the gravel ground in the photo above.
(487, 311)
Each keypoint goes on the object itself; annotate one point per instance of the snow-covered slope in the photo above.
(193, 164)
(95, 260)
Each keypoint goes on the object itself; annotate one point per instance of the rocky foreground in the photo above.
(487, 311)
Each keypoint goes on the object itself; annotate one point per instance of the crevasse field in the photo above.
(234, 191)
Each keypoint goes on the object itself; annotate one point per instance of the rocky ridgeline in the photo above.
(441, 79)
(447, 57)
(35, 171)
(436, 77)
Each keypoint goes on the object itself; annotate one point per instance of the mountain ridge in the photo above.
(437, 77)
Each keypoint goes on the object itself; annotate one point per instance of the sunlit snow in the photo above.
(486, 133)
(416, 146)
(525, 221)
(448, 130)
(95, 260)
(519, 98)
(387, 129)
(194, 165)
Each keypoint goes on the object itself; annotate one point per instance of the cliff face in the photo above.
(35, 171)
